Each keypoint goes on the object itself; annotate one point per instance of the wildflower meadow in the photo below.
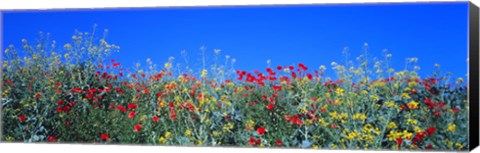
(76, 93)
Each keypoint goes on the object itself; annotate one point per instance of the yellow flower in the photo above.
(204, 73)
(9, 138)
(216, 133)
(162, 140)
(412, 121)
(168, 65)
(406, 96)
(339, 91)
(451, 127)
(458, 145)
(393, 135)
(167, 134)
(389, 103)
(412, 105)
(353, 135)
(188, 133)
(407, 135)
(392, 125)
(360, 116)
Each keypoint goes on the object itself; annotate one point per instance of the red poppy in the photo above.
(172, 115)
(261, 130)
(72, 103)
(270, 106)
(59, 109)
(77, 90)
(252, 141)
(116, 64)
(121, 108)
(455, 110)
(37, 96)
(279, 68)
(132, 106)
(437, 113)
(309, 76)
(137, 127)
(441, 104)
(52, 138)
(277, 88)
(104, 137)
(291, 67)
(155, 118)
(279, 142)
(66, 108)
(22, 118)
(333, 126)
(131, 115)
(67, 123)
(399, 142)
(431, 130)
(89, 96)
(429, 146)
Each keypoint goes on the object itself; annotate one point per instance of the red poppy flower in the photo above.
(333, 126)
(89, 96)
(399, 142)
(131, 115)
(22, 118)
(441, 104)
(261, 130)
(279, 68)
(279, 142)
(155, 118)
(309, 76)
(277, 88)
(431, 130)
(429, 146)
(52, 138)
(116, 64)
(252, 141)
(59, 109)
(121, 108)
(37, 96)
(76, 90)
(66, 108)
(104, 137)
(270, 106)
(132, 106)
(291, 68)
(455, 110)
(72, 103)
(172, 115)
(67, 123)
(137, 127)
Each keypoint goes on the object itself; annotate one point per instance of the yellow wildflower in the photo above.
(451, 127)
(392, 125)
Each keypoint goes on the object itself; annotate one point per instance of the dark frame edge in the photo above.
(473, 76)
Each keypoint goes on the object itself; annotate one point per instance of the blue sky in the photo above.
(314, 35)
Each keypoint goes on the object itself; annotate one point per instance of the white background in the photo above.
(55, 4)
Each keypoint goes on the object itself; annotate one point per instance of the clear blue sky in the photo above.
(313, 35)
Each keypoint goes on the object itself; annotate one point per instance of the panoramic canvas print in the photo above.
(350, 76)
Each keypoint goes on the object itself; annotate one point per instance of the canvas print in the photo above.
(350, 76)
